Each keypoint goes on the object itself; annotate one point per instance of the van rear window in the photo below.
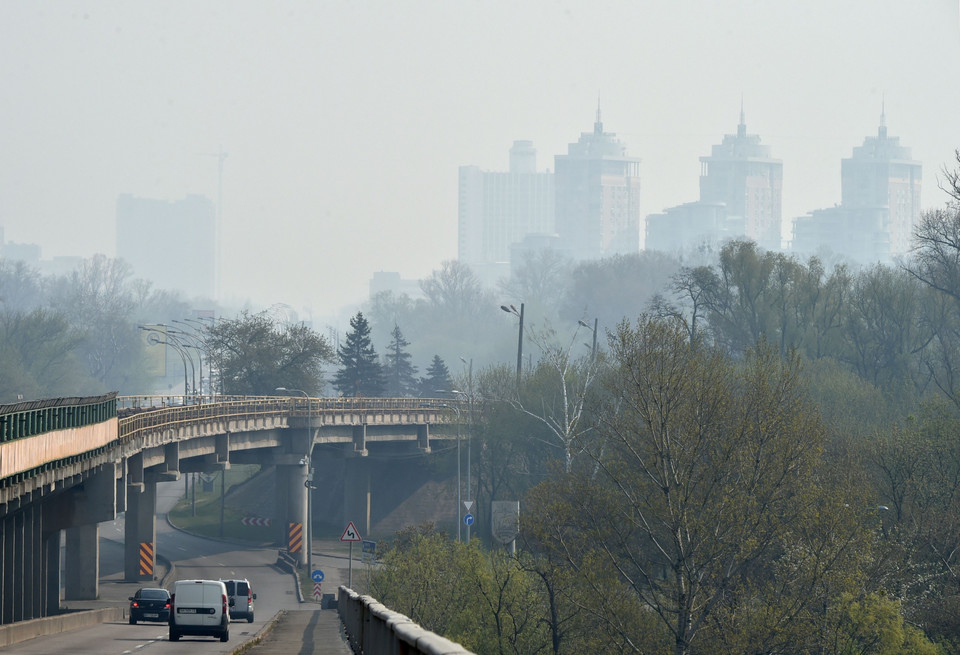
(242, 589)
(230, 587)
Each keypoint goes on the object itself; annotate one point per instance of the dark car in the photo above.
(150, 604)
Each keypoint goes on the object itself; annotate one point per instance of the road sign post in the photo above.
(351, 535)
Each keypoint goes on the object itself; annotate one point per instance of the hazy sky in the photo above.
(345, 122)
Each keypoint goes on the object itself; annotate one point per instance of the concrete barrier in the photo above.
(372, 628)
(14, 633)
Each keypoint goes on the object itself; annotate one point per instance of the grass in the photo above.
(203, 516)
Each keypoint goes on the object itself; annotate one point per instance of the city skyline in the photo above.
(344, 125)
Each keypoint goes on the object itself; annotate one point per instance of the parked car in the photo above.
(240, 598)
(150, 604)
(199, 607)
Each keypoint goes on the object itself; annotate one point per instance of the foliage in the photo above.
(400, 374)
(361, 374)
(255, 354)
(436, 380)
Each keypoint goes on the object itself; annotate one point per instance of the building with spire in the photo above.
(880, 204)
(498, 210)
(597, 196)
(741, 196)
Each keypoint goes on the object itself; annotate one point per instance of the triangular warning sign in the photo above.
(351, 533)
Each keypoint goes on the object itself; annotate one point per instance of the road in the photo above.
(193, 557)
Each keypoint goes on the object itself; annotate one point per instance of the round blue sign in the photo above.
(468, 519)
(317, 575)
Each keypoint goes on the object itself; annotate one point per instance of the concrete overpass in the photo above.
(68, 464)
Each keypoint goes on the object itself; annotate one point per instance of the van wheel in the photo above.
(225, 635)
(250, 617)
(174, 635)
(133, 621)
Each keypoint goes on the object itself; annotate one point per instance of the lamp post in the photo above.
(519, 314)
(309, 482)
(153, 338)
(469, 395)
(457, 410)
(593, 351)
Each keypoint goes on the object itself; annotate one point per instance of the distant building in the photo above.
(880, 204)
(172, 244)
(497, 210)
(392, 282)
(741, 196)
(597, 196)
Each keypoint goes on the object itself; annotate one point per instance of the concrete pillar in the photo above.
(292, 478)
(9, 548)
(18, 590)
(32, 563)
(356, 494)
(140, 533)
(82, 568)
(51, 551)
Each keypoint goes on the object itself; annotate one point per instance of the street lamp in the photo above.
(154, 339)
(457, 410)
(305, 461)
(593, 351)
(469, 434)
(519, 314)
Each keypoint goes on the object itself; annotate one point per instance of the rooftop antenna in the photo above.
(742, 127)
(598, 126)
(218, 228)
(882, 132)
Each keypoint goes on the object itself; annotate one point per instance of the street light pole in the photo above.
(513, 310)
(309, 482)
(469, 435)
(593, 351)
(459, 485)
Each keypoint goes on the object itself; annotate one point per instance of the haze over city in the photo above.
(344, 124)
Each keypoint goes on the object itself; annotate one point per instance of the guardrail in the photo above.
(372, 628)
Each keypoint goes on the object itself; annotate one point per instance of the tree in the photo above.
(706, 462)
(361, 373)
(436, 380)
(256, 353)
(400, 373)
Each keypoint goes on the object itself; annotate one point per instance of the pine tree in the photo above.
(362, 374)
(400, 373)
(437, 380)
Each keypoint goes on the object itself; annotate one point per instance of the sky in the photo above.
(344, 122)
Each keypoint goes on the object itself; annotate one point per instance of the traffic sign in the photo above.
(317, 575)
(468, 519)
(317, 591)
(351, 533)
(468, 504)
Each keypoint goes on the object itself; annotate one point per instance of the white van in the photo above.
(199, 607)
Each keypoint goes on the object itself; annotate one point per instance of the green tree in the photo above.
(255, 354)
(436, 380)
(399, 372)
(361, 373)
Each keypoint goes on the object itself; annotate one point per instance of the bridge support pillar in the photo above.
(356, 494)
(51, 551)
(32, 571)
(140, 532)
(291, 481)
(82, 567)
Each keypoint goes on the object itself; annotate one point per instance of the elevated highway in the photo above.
(68, 464)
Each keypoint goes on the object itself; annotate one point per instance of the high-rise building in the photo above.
(880, 204)
(598, 196)
(497, 210)
(172, 244)
(740, 197)
(741, 173)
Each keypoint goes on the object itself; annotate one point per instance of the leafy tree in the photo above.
(706, 462)
(437, 379)
(255, 354)
(361, 373)
(399, 372)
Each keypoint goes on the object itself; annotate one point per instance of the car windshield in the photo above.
(154, 594)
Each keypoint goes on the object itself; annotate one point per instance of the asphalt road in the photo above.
(193, 557)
